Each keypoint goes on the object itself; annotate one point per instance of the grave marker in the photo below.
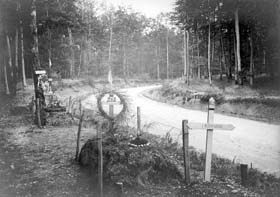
(209, 126)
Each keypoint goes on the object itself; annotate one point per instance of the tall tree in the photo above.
(237, 33)
(22, 50)
(35, 51)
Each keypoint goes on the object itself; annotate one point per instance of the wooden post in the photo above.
(120, 188)
(111, 114)
(209, 140)
(70, 103)
(244, 174)
(79, 131)
(38, 109)
(138, 121)
(111, 110)
(186, 150)
(100, 162)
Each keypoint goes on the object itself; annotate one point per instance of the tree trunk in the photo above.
(72, 52)
(237, 45)
(157, 61)
(220, 63)
(35, 50)
(235, 62)
(12, 80)
(198, 56)
(6, 77)
(110, 44)
(124, 61)
(167, 55)
(49, 44)
(10, 57)
(110, 49)
(264, 61)
(251, 60)
(224, 66)
(229, 67)
(49, 49)
(16, 55)
(188, 58)
(22, 56)
(213, 50)
(185, 54)
(89, 57)
(80, 62)
(209, 54)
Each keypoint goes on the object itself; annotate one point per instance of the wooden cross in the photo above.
(209, 126)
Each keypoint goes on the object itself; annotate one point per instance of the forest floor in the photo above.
(260, 102)
(40, 162)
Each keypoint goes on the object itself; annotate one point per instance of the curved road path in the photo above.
(250, 142)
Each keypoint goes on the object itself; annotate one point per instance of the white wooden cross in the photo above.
(209, 126)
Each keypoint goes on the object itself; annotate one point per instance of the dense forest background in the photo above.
(230, 39)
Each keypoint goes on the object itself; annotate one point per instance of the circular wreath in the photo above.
(122, 101)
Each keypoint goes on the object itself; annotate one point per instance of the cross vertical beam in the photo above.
(209, 140)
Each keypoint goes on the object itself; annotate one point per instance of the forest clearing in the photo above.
(99, 98)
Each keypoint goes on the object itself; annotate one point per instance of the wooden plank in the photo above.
(186, 150)
(194, 125)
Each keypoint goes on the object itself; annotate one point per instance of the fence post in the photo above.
(244, 174)
(100, 161)
(138, 121)
(120, 189)
(186, 150)
(70, 105)
(209, 140)
(79, 130)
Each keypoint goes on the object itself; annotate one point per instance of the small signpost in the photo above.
(209, 126)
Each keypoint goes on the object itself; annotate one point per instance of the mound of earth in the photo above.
(130, 165)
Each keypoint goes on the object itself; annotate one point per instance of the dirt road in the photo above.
(250, 142)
